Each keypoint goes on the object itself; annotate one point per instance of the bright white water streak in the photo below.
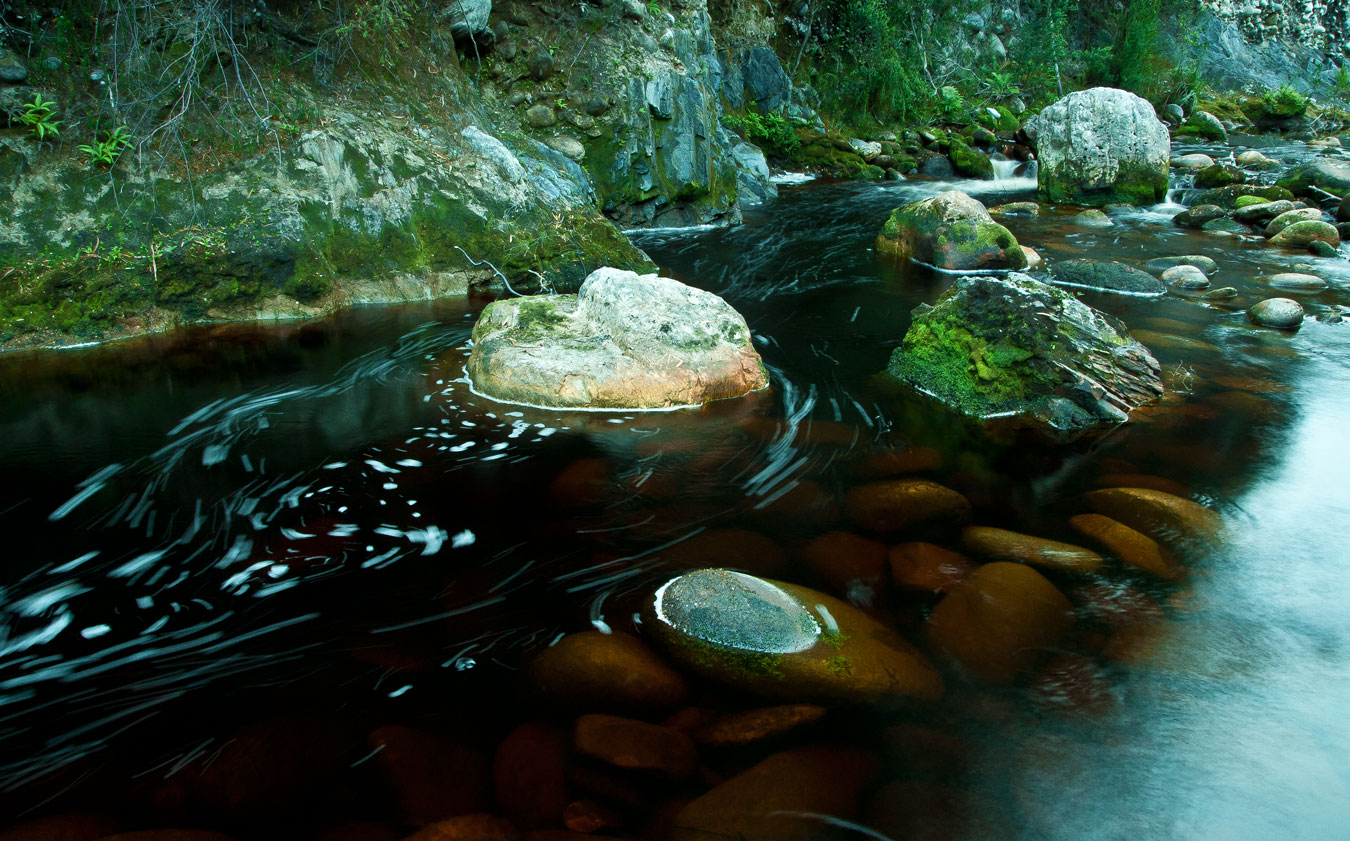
(1237, 729)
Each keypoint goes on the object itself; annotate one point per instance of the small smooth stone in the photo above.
(1158, 265)
(612, 672)
(1133, 547)
(1322, 249)
(1093, 219)
(851, 566)
(1004, 545)
(927, 568)
(1252, 158)
(1034, 259)
(902, 504)
(1160, 515)
(635, 745)
(1303, 234)
(1195, 160)
(1297, 282)
(1223, 293)
(765, 802)
(1289, 217)
(1017, 208)
(1280, 313)
(1199, 216)
(750, 726)
(1185, 277)
(1142, 480)
(786, 641)
(1248, 201)
(1262, 211)
(999, 621)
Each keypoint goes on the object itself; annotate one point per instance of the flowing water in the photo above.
(319, 529)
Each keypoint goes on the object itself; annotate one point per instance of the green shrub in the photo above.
(773, 131)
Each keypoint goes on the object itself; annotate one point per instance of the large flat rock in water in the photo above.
(624, 341)
(1016, 347)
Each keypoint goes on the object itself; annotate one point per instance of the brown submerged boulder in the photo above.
(1133, 547)
(611, 672)
(1158, 514)
(1004, 545)
(898, 505)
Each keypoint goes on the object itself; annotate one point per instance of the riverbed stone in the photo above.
(476, 827)
(623, 341)
(1092, 218)
(429, 778)
(1247, 201)
(899, 505)
(1160, 515)
(468, 19)
(1280, 313)
(1185, 277)
(766, 802)
(1298, 282)
(529, 775)
(969, 162)
(12, 69)
(1158, 265)
(635, 745)
(1226, 197)
(781, 640)
(1105, 277)
(1224, 225)
(1132, 547)
(541, 115)
(612, 672)
(950, 231)
(1198, 215)
(1253, 158)
(1262, 211)
(1219, 175)
(927, 567)
(1195, 160)
(1318, 176)
(1100, 146)
(1013, 346)
(1017, 208)
(1291, 216)
(749, 726)
(1343, 213)
(1004, 545)
(999, 622)
(850, 565)
(1302, 234)
(1206, 125)
(1223, 293)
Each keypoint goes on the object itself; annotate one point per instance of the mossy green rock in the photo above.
(950, 231)
(1248, 201)
(1226, 197)
(993, 347)
(970, 162)
(1219, 175)
(1327, 175)
(784, 641)
(1204, 124)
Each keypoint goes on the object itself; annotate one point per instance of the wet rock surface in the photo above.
(950, 231)
(623, 341)
(1281, 313)
(1107, 277)
(1017, 347)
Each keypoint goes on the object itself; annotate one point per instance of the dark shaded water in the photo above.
(317, 530)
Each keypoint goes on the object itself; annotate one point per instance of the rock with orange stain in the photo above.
(851, 566)
(1160, 515)
(529, 775)
(612, 672)
(1003, 545)
(429, 778)
(782, 798)
(785, 641)
(635, 745)
(1134, 548)
(478, 827)
(999, 621)
(750, 726)
(927, 567)
(899, 505)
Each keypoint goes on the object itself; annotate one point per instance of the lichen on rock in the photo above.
(1014, 346)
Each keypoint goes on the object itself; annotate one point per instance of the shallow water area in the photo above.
(219, 530)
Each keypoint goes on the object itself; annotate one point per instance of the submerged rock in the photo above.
(1199, 215)
(623, 341)
(782, 640)
(950, 231)
(1158, 265)
(1260, 210)
(1185, 277)
(1158, 514)
(1101, 146)
(898, 505)
(1004, 545)
(1281, 313)
(635, 745)
(1322, 175)
(1298, 282)
(611, 672)
(1016, 346)
(1219, 175)
(767, 802)
(999, 621)
(1302, 234)
(1226, 197)
(1092, 219)
(1133, 547)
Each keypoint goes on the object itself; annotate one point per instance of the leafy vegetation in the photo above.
(105, 152)
(773, 131)
(38, 116)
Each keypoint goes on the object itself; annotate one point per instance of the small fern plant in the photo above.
(105, 152)
(37, 115)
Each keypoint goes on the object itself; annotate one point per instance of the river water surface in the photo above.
(320, 524)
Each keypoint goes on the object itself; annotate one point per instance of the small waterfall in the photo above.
(1005, 168)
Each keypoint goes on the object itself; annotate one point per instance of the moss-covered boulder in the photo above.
(1101, 146)
(1317, 177)
(1226, 197)
(950, 231)
(1219, 175)
(970, 162)
(1204, 124)
(994, 347)
(624, 341)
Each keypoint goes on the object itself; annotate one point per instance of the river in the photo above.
(319, 523)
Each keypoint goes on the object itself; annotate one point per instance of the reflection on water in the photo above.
(292, 536)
